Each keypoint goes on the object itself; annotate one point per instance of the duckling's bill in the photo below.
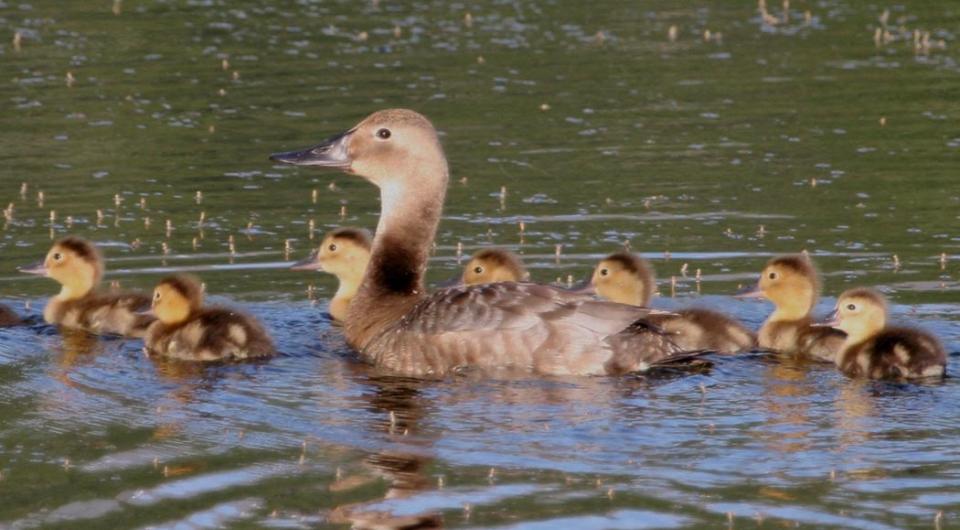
(39, 268)
(309, 263)
(333, 152)
(750, 291)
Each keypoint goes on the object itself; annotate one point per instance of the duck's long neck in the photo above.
(410, 212)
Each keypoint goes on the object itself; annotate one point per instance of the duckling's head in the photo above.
(177, 297)
(861, 313)
(387, 147)
(73, 262)
(492, 265)
(344, 252)
(624, 278)
(791, 283)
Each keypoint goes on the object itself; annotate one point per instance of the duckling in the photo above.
(344, 252)
(185, 330)
(78, 266)
(396, 325)
(873, 349)
(492, 265)
(8, 317)
(628, 279)
(793, 285)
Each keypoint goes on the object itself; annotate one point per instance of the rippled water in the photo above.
(586, 123)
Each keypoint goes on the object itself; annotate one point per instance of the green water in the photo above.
(804, 135)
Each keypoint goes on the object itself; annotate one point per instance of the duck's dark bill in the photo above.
(309, 263)
(332, 153)
(37, 268)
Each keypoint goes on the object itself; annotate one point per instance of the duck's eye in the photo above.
(772, 276)
(851, 307)
(332, 247)
(156, 296)
(383, 134)
(604, 272)
(478, 269)
(57, 256)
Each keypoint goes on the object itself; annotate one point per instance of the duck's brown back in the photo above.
(103, 314)
(8, 317)
(213, 334)
(801, 337)
(516, 326)
(896, 353)
(703, 329)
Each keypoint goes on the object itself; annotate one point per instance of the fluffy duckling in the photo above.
(873, 349)
(628, 279)
(395, 324)
(185, 330)
(343, 253)
(793, 285)
(492, 265)
(78, 266)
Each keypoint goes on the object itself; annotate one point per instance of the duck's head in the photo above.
(791, 283)
(343, 252)
(860, 313)
(493, 265)
(73, 262)
(387, 147)
(177, 297)
(624, 278)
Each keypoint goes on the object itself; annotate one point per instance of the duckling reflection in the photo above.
(399, 407)
(493, 265)
(78, 266)
(877, 351)
(793, 285)
(344, 253)
(628, 279)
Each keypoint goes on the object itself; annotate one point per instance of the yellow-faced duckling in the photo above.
(78, 266)
(492, 265)
(873, 349)
(793, 285)
(343, 253)
(186, 330)
(394, 323)
(628, 279)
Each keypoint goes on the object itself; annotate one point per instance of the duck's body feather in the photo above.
(801, 337)
(703, 329)
(117, 314)
(517, 325)
(895, 353)
(211, 334)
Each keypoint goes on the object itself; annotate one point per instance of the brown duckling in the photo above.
(793, 285)
(873, 349)
(78, 266)
(628, 279)
(186, 330)
(343, 253)
(395, 324)
(492, 265)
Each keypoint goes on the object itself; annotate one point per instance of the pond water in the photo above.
(708, 136)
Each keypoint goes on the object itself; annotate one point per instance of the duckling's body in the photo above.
(78, 266)
(187, 331)
(492, 265)
(793, 285)
(396, 325)
(8, 317)
(873, 349)
(345, 253)
(628, 279)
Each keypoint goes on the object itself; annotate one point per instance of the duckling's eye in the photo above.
(383, 134)
(772, 276)
(851, 307)
(604, 272)
(57, 256)
(156, 296)
(478, 269)
(332, 247)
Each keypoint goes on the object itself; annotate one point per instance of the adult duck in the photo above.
(396, 325)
